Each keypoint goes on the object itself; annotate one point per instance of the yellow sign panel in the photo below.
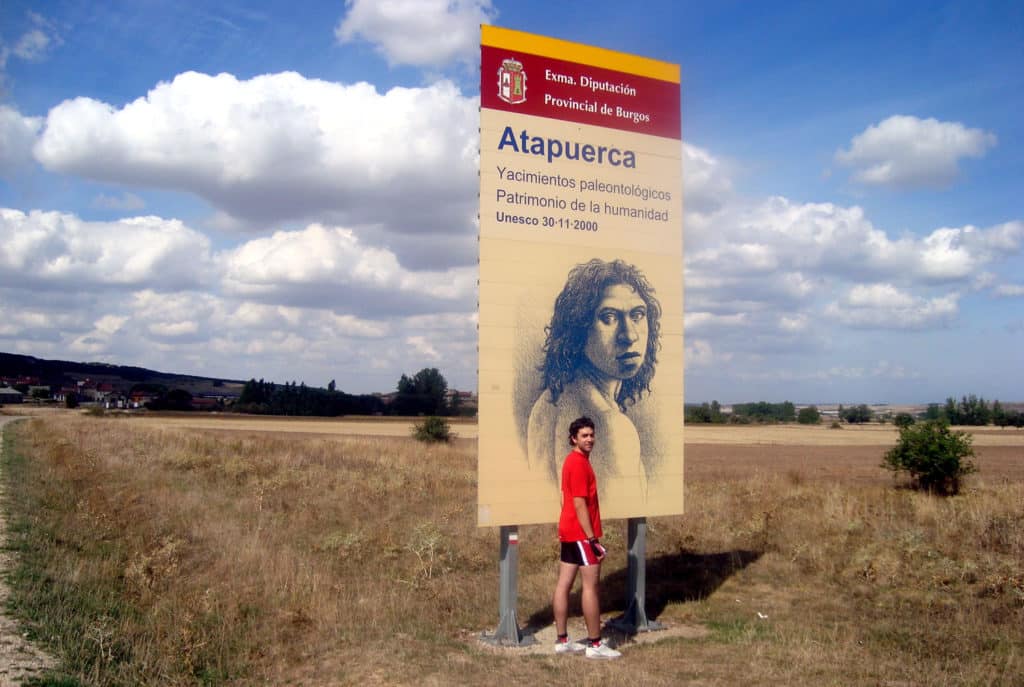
(581, 276)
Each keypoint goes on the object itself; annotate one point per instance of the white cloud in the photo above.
(958, 253)
(281, 146)
(792, 249)
(699, 353)
(908, 152)
(422, 33)
(882, 306)
(878, 296)
(58, 250)
(329, 267)
(706, 320)
(32, 45)
(17, 136)
(706, 181)
(423, 348)
(794, 323)
(1009, 290)
(99, 338)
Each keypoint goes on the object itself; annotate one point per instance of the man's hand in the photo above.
(599, 550)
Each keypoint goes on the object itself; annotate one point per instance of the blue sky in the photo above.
(246, 190)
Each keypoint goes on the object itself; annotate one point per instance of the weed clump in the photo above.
(934, 456)
(433, 429)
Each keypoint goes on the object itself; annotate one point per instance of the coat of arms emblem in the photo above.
(512, 82)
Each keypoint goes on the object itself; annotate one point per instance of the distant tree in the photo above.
(998, 413)
(697, 414)
(254, 393)
(949, 411)
(71, 400)
(808, 416)
(425, 393)
(176, 399)
(903, 420)
(40, 393)
(933, 412)
(856, 414)
(933, 456)
(970, 410)
(332, 386)
(763, 411)
(1002, 417)
(705, 413)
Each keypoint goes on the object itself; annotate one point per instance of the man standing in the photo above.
(579, 529)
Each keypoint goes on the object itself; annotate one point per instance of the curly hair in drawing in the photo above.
(574, 314)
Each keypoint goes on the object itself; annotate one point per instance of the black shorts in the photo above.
(578, 553)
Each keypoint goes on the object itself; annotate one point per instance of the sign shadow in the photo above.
(685, 576)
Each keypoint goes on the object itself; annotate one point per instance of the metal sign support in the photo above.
(635, 619)
(508, 633)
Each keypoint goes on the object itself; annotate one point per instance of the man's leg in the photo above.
(591, 575)
(560, 600)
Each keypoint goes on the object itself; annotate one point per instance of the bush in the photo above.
(433, 429)
(933, 456)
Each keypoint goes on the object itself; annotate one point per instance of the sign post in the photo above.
(508, 633)
(635, 619)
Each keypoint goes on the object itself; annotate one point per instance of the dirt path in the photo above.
(19, 659)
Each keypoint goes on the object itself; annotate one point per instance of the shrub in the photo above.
(433, 429)
(932, 455)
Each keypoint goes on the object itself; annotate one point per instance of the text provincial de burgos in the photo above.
(594, 86)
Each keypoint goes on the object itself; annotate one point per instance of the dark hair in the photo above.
(573, 316)
(578, 424)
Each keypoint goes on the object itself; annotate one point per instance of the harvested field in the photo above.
(307, 552)
(310, 427)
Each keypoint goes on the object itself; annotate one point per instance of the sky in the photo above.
(244, 190)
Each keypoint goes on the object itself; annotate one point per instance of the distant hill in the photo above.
(58, 373)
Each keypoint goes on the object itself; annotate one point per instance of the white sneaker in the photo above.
(568, 647)
(602, 650)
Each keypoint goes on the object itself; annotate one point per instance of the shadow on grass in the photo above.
(685, 576)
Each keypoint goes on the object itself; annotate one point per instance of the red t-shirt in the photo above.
(578, 480)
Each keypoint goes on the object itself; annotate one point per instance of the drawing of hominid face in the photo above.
(617, 341)
(605, 320)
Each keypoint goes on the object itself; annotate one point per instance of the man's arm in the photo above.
(583, 515)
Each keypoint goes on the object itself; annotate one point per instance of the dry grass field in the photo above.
(221, 551)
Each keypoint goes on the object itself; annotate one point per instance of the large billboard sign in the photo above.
(581, 276)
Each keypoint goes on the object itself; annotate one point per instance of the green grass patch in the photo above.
(738, 631)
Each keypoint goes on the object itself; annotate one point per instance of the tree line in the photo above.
(969, 410)
(424, 393)
(973, 410)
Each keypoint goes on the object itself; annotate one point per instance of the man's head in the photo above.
(581, 434)
(606, 318)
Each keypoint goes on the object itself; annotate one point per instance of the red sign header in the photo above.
(515, 81)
